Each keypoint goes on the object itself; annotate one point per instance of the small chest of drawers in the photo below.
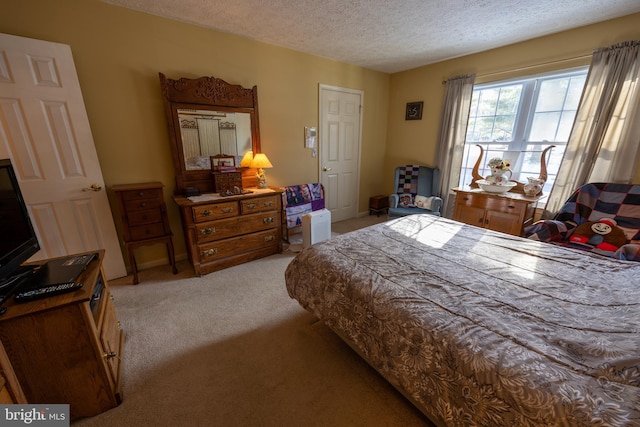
(221, 232)
(226, 181)
(143, 214)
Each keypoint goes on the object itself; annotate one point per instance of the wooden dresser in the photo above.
(221, 232)
(68, 348)
(506, 212)
(144, 220)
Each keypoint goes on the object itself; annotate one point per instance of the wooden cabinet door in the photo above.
(470, 215)
(503, 222)
(110, 338)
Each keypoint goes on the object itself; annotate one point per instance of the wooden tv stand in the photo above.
(67, 348)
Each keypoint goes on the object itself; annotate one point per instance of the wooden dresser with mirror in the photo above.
(208, 117)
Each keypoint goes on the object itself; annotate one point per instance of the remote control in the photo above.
(47, 291)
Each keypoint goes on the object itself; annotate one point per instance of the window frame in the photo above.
(519, 147)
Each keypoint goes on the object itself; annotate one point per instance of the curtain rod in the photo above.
(527, 67)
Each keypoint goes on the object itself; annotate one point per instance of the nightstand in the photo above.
(378, 205)
(144, 220)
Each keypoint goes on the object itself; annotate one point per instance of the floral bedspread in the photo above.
(480, 328)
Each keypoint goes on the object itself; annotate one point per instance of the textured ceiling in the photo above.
(387, 35)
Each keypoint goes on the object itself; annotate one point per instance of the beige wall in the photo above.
(118, 54)
(411, 142)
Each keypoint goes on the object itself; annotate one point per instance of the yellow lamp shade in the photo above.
(260, 161)
(247, 159)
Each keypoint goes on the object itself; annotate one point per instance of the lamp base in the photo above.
(262, 179)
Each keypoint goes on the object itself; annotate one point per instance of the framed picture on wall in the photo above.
(414, 111)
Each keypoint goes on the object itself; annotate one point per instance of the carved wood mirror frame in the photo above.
(205, 93)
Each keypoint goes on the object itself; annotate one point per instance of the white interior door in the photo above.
(340, 135)
(45, 132)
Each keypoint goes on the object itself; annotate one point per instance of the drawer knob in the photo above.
(268, 203)
(267, 220)
(269, 238)
(208, 230)
(206, 212)
(141, 193)
(252, 206)
(465, 198)
(227, 210)
(511, 207)
(210, 252)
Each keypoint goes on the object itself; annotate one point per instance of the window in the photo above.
(517, 119)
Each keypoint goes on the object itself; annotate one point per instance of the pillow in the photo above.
(405, 201)
(423, 202)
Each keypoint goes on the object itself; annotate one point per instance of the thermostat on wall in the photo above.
(309, 137)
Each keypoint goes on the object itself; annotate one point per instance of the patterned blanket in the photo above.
(592, 202)
(302, 199)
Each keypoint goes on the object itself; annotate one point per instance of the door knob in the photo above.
(94, 187)
(326, 169)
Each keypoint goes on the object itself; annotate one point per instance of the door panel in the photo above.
(340, 135)
(45, 131)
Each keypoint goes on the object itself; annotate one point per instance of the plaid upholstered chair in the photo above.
(416, 190)
(593, 202)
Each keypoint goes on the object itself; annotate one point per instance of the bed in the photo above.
(480, 328)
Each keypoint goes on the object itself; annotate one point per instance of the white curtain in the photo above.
(604, 141)
(190, 142)
(452, 134)
(209, 137)
(228, 141)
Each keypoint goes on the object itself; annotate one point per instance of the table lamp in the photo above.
(261, 162)
(246, 159)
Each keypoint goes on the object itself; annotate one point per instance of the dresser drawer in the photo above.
(144, 217)
(490, 203)
(260, 204)
(142, 194)
(215, 211)
(505, 205)
(238, 245)
(147, 231)
(140, 204)
(225, 228)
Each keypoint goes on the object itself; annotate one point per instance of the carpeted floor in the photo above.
(232, 349)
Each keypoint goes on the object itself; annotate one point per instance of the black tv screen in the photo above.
(18, 240)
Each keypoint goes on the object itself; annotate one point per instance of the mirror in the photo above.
(208, 117)
(207, 133)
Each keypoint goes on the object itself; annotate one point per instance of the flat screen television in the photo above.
(18, 240)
